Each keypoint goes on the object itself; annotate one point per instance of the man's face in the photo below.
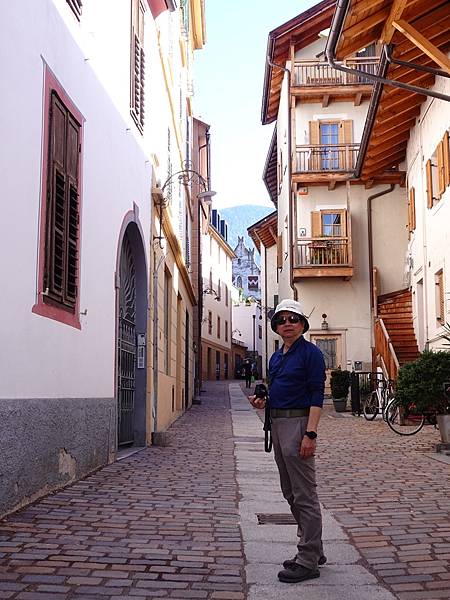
(289, 325)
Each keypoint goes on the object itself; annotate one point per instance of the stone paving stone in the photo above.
(162, 523)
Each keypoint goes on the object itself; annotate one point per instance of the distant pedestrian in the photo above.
(296, 393)
(248, 373)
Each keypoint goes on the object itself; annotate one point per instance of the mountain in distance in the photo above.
(239, 218)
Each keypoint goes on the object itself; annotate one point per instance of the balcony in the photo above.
(316, 162)
(323, 257)
(316, 81)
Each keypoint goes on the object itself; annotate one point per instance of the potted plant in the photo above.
(340, 384)
(422, 384)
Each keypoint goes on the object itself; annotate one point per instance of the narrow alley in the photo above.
(180, 521)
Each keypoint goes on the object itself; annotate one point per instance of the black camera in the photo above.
(260, 391)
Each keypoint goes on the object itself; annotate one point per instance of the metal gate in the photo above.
(126, 344)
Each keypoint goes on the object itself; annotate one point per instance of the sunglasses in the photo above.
(291, 319)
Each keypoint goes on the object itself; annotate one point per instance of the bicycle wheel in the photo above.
(404, 420)
(370, 407)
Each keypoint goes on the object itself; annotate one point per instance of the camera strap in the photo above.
(267, 427)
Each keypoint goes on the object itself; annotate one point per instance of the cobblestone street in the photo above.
(165, 522)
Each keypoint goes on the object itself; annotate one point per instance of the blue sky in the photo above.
(229, 73)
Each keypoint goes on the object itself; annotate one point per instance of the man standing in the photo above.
(296, 392)
(248, 373)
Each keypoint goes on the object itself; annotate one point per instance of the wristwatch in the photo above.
(311, 434)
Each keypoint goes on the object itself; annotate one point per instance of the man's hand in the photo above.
(257, 402)
(307, 447)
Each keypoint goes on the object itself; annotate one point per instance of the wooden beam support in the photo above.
(357, 100)
(421, 42)
(325, 100)
(397, 9)
(332, 185)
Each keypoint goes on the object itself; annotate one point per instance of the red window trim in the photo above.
(47, 309)
(157, 7)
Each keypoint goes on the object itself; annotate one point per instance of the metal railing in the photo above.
(319, 73)
(318, 158)
(323, 252)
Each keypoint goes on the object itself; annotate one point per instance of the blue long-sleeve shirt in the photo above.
(297, 378)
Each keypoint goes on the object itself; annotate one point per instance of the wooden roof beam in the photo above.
(398, 6)
(366, 24)
(421, 42)
(389, 161)
(407, 113)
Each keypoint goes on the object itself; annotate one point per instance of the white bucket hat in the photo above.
(292, 306)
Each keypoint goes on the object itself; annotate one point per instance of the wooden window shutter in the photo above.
(62, 227)
(446, 158)
(344, 223)
(314, 132)
(137, 63)
(316, 224)
(314, 139)
(76, 6)
(280, 252)
(346, 131)
(412, 208)
(440, 296)
(441, 170)
(428, 169)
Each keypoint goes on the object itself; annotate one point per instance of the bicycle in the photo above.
(407, 420)
(378, 400)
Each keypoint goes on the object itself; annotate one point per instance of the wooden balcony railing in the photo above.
(385, 350)
(324, 159)
(319, 73)
(323, 252)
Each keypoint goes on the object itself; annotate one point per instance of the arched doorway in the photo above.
(131, 346)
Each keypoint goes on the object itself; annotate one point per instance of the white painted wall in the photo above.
(243, 314)
(41, 357)
(430, 242)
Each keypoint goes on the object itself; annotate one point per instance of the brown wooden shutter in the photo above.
(440, 298)
(344, 223)
(446, 151)
(428, 169)
(62, 235)
(137, 63)
(412, 209)
(76, 6)
(346, 132)
(280, 252)
(316, 224)
(314, 139)
(441, 170)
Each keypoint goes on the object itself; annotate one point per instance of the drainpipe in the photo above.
(156, 436)
(330, 50)
(289, 175)
(369, 237)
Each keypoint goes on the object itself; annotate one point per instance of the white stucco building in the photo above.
(86, 120)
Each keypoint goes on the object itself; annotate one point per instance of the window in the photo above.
(329, 137)
(167, 319)
(137, 63)
(226, 331)
(226, 295)
(260, 332)
(219, 290)
(332, 149)
(59, 237)
(275, 300)
(440, 302)
(218, 327)
(76, 6)
(239, 282)
(210, 322)
(329, 223)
